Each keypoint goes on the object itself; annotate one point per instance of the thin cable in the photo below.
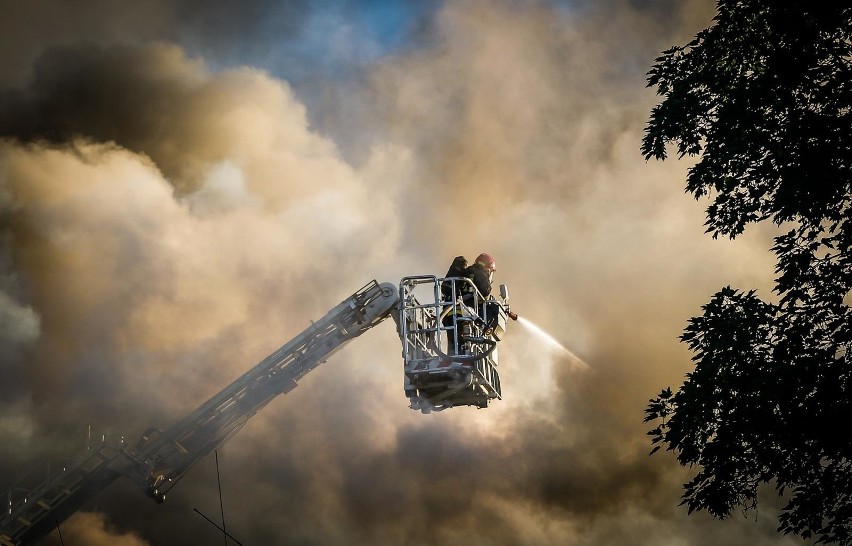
(213, 523)
(221, 505)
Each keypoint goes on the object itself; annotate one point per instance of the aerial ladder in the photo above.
(437, 376)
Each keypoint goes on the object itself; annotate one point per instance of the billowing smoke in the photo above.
(93, 530)
(167, 222)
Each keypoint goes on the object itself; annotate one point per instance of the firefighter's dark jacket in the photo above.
(476, 273)
(480, 277)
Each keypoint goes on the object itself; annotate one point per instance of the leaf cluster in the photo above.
(763, 98)
(769, 401)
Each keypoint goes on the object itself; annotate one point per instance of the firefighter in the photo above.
(458, 269)
(481, 273)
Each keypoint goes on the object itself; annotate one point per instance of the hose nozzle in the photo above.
(511, 315)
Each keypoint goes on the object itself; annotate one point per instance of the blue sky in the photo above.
(333, 37)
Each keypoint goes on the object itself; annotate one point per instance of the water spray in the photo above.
(551, 341)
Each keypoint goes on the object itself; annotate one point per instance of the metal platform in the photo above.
(449, 340)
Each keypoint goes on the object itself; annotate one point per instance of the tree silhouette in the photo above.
(763, 97)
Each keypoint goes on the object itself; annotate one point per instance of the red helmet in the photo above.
(487, 261)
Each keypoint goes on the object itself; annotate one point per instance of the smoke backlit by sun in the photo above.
(182, 190)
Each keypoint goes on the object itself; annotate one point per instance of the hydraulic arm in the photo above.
(161, 458)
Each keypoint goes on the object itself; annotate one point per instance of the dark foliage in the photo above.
(763, 98)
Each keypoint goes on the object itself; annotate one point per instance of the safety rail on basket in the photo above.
(451, 304)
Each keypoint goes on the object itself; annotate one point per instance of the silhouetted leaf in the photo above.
(763, 99)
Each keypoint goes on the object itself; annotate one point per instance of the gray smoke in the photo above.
(168, 221)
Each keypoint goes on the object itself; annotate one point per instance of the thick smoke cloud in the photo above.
(94, 530)
(230, 31)
(166, 225)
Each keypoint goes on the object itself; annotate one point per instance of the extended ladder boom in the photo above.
(168, 456)
(160, 459)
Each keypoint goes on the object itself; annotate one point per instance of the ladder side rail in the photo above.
(21, 499)
(31, 521)
(264, 367)
(38, 478)
(365, 296)
(200, 441)
(216, 421)
(32, 530)
(226, 395)
(238, 394)
(58, 498)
